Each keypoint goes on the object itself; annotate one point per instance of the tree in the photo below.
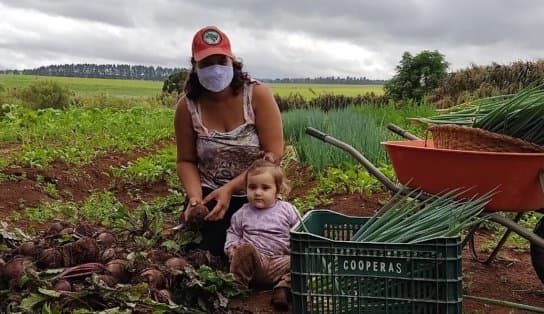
(174, 82)
(416, 76)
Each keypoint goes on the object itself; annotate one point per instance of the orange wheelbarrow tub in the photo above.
(518, 176)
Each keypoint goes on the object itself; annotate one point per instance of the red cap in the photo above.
(210, 41)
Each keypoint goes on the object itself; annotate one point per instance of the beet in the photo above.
(154, 278)
(118, 268)
(108, 254)
(105, 240)
(27, 249)
(199, 257)
(56, 227)
(158, 256)
(2, 264)
(85, 229)
(110, 281)
(87, 250)
(67, 230)
(196, 217)
(51, 258)
(84, 250)
(164, 296)
(62, 285)
(15, 269)
(176, 263)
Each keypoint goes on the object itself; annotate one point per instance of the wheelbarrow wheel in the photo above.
(537, 252)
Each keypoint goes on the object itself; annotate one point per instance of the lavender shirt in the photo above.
(266, 229)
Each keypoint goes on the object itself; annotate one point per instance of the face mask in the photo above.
(215, 77)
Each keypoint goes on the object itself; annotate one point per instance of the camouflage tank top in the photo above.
(222, 156)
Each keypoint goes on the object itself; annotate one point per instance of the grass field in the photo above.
(86, 86)
(314, 90)
(135, 88)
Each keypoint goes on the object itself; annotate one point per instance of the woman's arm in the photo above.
(268, 122)
(186, 153)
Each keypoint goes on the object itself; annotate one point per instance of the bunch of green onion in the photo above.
(406, 219)
(518, 115)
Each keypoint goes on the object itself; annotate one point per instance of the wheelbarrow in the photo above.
(519, 179)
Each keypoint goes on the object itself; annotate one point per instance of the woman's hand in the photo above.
(193, 202)
(222, 196)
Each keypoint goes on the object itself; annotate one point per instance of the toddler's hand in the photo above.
(231, 249)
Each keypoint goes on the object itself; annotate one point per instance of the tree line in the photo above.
(363, 80)
(141, 72)
(114, 71)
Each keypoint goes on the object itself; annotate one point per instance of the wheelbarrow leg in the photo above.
(470, 235)
(491, 257)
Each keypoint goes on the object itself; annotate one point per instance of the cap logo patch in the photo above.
(211, 37)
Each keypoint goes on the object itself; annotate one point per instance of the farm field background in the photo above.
(110, 165)
(135, 88)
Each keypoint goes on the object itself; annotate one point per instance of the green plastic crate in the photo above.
(331, 274)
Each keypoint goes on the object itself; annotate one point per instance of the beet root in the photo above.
(56, 227)
(105, 240)
(176, 263)
(15, 269)
(154, 278)
(27, 249)
(51, 258)
(67, 230)
(63, 285)
(110, 281)
(196, 217)
(84, 250)
(164, 296)
(108, 254)
(118, 268)
(85, 229)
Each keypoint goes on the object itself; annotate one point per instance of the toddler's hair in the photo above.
(260, 166)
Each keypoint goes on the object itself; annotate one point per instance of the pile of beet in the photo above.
(74, 259)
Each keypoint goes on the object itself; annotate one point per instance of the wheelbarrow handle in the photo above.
(402, 132)
(357, 155)
(316, 133)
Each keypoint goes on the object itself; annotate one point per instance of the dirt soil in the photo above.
(511, 277)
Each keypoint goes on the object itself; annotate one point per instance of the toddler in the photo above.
(258, 238)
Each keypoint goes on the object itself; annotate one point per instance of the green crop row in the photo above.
(78, 134)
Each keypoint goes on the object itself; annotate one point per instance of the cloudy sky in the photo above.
(274, 39)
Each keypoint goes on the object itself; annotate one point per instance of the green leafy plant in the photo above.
(151, 168)
(347, 179)
(46, 94)
(77, 135)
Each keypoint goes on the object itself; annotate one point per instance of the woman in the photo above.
(224, 122)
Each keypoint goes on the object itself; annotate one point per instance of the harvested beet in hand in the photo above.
(196, 217)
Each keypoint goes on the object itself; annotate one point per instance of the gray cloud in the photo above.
(116, 12)
(275, 38)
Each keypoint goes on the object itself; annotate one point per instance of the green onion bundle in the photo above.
(405, 219)
(520, 115)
